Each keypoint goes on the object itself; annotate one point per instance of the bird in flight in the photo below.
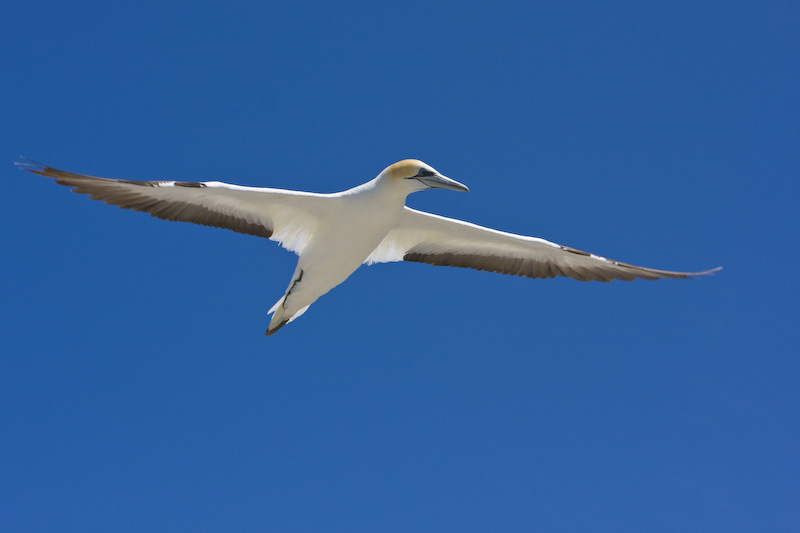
(334, 234)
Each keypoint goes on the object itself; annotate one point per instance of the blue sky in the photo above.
(138, 392)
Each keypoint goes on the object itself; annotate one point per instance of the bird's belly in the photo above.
(335, 253)
(343, 256)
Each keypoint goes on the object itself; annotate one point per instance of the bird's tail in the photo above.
(280, 317)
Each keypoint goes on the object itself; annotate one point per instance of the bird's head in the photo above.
(413, 175)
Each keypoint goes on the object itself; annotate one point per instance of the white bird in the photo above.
(334, 234)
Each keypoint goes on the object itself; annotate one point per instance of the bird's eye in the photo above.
(424, 173)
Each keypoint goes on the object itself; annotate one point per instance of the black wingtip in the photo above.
(707, 272)
(29, 165)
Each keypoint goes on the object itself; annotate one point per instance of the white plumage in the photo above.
(333, 234)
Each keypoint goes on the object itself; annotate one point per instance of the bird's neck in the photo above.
(379, 191)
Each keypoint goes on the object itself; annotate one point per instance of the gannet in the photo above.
(334, 234)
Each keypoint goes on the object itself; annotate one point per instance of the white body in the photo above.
(327, 258)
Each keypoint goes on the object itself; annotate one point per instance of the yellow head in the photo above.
(419, 176)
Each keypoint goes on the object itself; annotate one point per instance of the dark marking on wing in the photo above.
(514, 266)
(114, 192)
(574, 251)
(600, 270)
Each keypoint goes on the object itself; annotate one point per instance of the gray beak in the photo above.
(437, 181)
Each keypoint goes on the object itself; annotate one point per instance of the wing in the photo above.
(426, 238)
(288, 217)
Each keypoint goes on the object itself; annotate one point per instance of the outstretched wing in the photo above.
(426, 238)
(288, 217)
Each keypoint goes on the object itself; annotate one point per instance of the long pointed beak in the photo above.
(437, 181)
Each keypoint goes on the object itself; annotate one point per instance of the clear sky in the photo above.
(137, 389)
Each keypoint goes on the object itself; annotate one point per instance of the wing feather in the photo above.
(435, 240)
(288, 217)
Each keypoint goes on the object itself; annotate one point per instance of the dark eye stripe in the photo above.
(424, 173)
